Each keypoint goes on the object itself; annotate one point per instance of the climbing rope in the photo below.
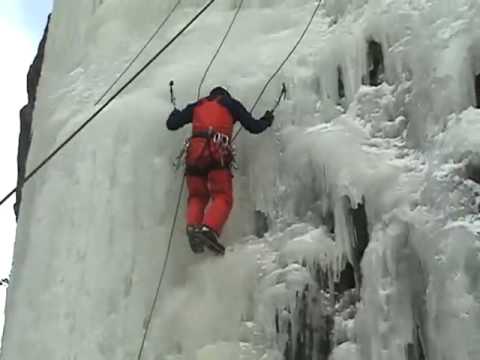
(164, 267)
(235, 15)
(135, 58)
(315, 11)
(118, 92)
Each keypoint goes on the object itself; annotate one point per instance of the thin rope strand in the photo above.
(282, 64)
(135, 58)
(162, 274)
(219, 48)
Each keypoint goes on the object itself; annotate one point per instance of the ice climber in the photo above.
(208, 162)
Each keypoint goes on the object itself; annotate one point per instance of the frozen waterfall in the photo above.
(369, 181)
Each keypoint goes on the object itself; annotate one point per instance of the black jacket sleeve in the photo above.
(241, 115)
(178, 119)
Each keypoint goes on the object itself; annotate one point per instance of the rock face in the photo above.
(26, 113)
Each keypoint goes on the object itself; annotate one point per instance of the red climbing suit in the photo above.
(209, 178)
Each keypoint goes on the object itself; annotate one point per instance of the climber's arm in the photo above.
(179, 118)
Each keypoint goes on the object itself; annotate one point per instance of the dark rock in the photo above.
(360, 225)
(261, 224)
(341, 86)
(418, 349)
(328, 221)
(26, 113)
(376, 68)
(415, 351)
(472, 170)
(347, 279)
(357, 224)
(312, 315)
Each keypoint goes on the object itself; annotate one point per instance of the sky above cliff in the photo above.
(21, 28)
(27, 16)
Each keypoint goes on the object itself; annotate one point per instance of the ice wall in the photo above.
(368, 178)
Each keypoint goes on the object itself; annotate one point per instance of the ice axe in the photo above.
(172, 95)
(282, 96)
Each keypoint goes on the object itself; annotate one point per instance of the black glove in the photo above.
(175, 112)
(172, 122)
(268, 117)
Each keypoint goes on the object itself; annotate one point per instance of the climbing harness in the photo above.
(222, 42)
(219, 146)
(302, 35)
(113, 97)
(222, 150)
(135, 58)
(181, 158)
(221, 139)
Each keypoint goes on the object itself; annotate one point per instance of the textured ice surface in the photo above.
(95, 222)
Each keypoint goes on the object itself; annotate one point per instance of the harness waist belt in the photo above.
(202, 134)
(208, 134)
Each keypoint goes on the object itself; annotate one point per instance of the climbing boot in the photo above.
(194, 238)
(210, 239)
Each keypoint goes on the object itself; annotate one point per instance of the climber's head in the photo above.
(219, 91)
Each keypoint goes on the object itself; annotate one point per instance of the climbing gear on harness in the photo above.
(181, 158)
(173, 100)
(217, 153)
(221, 150)
(113, 97)
(221, 139)
(135, 58)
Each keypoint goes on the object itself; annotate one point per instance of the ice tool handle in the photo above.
(173, 100)
(282, 96)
